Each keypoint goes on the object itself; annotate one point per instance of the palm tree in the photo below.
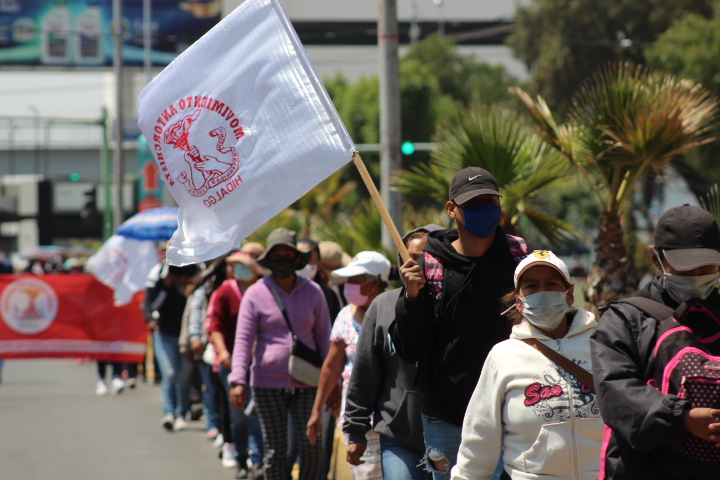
(624, 122)
(497, 140)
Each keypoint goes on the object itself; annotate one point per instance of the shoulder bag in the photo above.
(305, 363)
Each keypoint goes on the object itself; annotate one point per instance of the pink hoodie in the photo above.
(261, 324)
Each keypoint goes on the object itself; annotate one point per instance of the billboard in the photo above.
(77, 32)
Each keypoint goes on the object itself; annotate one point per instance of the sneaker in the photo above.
(196, 411)
(256, 472)
(219, 441)
(242, 474)
(229, 456)
(101, 388)
(117, 386)
(181, 424)
(168, 422)
(212, 434)
(131, 383)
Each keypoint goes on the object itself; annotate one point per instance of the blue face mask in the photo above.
(482, 219)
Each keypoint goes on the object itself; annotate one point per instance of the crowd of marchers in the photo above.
(478, 367)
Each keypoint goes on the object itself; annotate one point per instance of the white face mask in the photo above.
(545, 310)
(684, 287)
(308, 271)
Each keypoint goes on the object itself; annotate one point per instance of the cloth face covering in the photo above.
(283, 267)
(545, 310)
(353, 295)
(243, 272)
(482, 219)
(684, 287)
(308, 271)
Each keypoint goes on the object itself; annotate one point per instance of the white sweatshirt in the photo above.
(552, 425)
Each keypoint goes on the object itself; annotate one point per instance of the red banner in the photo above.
(68, 315)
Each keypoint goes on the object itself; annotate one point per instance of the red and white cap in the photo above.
(542, 257)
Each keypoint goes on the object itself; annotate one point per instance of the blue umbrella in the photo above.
(157, 224)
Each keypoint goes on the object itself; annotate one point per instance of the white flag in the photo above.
(241, 127)
(123, 264)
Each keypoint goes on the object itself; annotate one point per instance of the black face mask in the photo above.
(283, 267)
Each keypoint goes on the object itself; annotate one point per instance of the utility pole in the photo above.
(118, 152)
(389, 112)
(147, 40)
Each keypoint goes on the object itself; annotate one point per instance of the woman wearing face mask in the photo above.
(545, 422)
(263, 335)
(367, 277)
(239, 432)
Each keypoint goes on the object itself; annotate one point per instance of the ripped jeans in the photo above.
(445, 438)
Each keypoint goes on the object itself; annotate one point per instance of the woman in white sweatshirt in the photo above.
(542, 420)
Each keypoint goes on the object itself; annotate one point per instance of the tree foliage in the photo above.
(624, 122)
(562, 42)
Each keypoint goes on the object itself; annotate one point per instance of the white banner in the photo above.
(241, 127)
(123, 264)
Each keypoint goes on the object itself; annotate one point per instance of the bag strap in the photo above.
(563, 362)
(282, 309)
(659, 311)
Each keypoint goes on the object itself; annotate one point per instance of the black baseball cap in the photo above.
(689, 237)
(472, 182)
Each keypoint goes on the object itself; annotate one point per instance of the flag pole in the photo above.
(377, 200)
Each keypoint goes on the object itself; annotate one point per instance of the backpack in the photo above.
(686, 362)
(435, 272)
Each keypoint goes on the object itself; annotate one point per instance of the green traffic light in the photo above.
(74, 177)
(408, 148)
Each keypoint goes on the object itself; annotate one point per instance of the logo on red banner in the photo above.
(210, 172)
(28, 306)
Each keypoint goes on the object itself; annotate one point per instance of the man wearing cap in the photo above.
(264, 335)
(449, 322)
(686, 250)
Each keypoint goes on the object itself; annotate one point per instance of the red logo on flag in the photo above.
(203, 169)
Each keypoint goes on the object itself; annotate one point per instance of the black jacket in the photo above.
(169, 303)
(451, 351)
(381, 384)
(641, 417)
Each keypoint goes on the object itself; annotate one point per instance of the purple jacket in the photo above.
(261, 324)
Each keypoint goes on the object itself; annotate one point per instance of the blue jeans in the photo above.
(246, 429)
(446, 437)
(173, 366)
(399, 462)
(211, 409)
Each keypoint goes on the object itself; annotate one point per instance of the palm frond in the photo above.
(711, 202)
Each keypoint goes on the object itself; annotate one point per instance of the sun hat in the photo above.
(689, 237)
(332, 255)
(366, 263)
(472, 182)
(288, 238)
(542, 257)
(255, 250)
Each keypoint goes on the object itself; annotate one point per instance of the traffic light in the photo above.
(407, 148)
(90, 203)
